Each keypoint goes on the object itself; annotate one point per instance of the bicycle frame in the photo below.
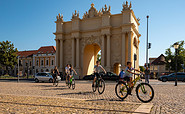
(135, 81)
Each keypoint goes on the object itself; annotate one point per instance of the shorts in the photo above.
(97, 75)
(127, 78)
(54, 76)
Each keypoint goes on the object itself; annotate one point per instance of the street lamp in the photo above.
(147, 42)
(169, 61)
(176, 46)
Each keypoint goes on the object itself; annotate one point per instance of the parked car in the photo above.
(89, 77)
(110, 76)
(171, 77)
(44, 77)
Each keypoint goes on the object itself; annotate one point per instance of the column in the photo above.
(130, 47)
(108, 50)
(61, 53)
(77, 52)
(73, 51)
(123, 56)
(103, 51)
(57, 52)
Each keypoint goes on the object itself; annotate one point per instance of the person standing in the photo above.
(147, 75)
(55, 74)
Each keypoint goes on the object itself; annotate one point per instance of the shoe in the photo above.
(129, 91)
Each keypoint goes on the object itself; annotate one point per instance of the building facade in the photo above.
(78, 41)
(158, 65)
(44, 59)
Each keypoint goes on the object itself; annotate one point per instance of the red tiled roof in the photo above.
(26, 53)
(47, 49)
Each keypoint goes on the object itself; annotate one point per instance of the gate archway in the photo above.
(90, 58)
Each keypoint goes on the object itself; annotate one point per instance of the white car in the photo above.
(43, 77)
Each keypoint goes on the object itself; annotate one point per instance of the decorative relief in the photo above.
(90, 40)
(115, 48)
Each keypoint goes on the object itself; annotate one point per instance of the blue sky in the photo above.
(29, 24)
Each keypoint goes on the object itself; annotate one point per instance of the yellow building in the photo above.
(78, 41)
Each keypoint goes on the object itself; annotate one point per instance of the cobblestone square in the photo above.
(33, 97)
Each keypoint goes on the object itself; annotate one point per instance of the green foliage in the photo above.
(99, 57)
(8, 54)
(142, 68)
(171, 56)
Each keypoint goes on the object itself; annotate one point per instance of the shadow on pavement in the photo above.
(84, 108)
(56, 88)
(79, 93)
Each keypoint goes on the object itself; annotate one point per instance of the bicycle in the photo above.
(56, 81)
(71, 82)
(100, 84)
(144, 91)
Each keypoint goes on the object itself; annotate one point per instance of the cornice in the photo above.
(135, 17)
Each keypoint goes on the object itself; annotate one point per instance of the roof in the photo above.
(43, 50)
(26, 53)
(46, 49)
(152, 58)
(159, 61)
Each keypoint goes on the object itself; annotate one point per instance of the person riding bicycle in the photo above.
(128, 75)
(97, 69)
(72, 71)
(67, 72)
(55, 74)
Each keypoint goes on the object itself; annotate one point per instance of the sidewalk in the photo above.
(33, 104)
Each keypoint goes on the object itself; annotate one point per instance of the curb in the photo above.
(144, 108)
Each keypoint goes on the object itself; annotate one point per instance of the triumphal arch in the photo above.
(78, 41)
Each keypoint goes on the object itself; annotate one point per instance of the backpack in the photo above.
(121, 74)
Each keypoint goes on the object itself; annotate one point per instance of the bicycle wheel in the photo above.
(73, 83)
(101, 86)
(121, 90)
(94, 88)
(69, 84)
(56, 83)
(144, 92)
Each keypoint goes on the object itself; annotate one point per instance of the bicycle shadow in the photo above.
(48, 86)
(78, 93)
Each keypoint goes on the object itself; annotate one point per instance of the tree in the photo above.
(99, 56)
(142, 68)
(8, 55)
(171, 56)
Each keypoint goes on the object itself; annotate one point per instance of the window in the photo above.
(47, 62)
(42, 70)
(30, 63)
(52, 62)
(37, 71)
(37, 63)
(47, 70)
(42, 62)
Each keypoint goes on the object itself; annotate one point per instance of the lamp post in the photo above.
(176, 46)
(169, 61)
(147, 43)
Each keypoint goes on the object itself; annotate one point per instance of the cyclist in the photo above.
(128, 75)
(97, 69)
(55, 74)
(67, 72)
(72, 71)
